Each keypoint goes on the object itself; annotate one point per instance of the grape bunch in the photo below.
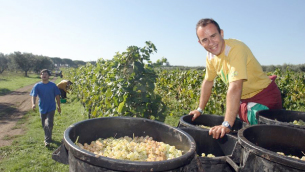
(133, 149)
(292, 156)
(209, 155)
(298, 122)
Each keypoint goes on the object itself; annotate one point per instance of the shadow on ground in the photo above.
(4, 91)
(6, 110)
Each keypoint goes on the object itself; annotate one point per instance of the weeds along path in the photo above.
(12, 108)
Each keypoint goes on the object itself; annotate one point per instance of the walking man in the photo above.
(47, 92)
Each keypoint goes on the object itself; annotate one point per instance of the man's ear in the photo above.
(199, 42)
(221, 33)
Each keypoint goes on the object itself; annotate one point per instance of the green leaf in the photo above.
(138, 67)
(121, 106)
(108, 93)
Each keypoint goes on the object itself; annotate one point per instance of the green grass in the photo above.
(27, 153)
(172, 120)
(11, 81)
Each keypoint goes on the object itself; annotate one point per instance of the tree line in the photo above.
(28, 62)
(266, 68)
(294, 68)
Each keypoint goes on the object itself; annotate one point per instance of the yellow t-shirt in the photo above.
(63, 85)
(237, 62)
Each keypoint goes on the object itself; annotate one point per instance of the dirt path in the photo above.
(12, 107)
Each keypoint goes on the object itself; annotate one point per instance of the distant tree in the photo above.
(92, 62)
(286, 66)
(12, 66)
(270, 68)
(161, 62)
(79, 63)
(42, 62)
(302, 68)
(3, 63)
(57, 61)
(68, 62)
(25, 61)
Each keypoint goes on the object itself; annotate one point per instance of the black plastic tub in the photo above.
(222, 149)
(92, 129)
(280, 117)
(209, 121)
(260, 144)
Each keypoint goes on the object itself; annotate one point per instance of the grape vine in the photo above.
(131, 85)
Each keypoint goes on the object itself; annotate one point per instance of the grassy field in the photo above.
(28, 153)
(10, 81)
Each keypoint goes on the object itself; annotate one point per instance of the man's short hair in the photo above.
(45, 70)
(204, 22)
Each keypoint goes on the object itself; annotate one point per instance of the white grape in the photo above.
(134, 149)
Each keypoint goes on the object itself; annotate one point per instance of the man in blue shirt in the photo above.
(47, 91)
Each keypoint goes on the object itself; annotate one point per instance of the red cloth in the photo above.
(270, 97)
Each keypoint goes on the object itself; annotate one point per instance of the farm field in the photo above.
(176, 91)
(27, 152)
(11, 81)
(131, 85)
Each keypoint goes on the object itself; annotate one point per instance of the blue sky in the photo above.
(87, 30)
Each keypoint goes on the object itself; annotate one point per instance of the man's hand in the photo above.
(34, 107)
(219, 131)
(59, 109)
(196, 113)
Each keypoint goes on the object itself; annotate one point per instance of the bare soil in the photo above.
(13, 107)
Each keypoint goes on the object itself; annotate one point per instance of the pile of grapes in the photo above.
(292, 156)
(133, 149)
(298, 122)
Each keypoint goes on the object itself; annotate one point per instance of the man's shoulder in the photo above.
(52, 83)
(237, 45)
(234, 42)
(38, 83)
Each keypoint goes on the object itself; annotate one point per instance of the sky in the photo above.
(92, 29)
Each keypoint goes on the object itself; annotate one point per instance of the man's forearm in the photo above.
(233, 101)
(33, 100)
(58, 100)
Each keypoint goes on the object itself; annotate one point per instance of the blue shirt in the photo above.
(46, 93)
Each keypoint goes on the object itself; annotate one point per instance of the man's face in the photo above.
(44, 76)
(211, 39)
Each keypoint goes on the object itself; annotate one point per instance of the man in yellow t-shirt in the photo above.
(249, 88)
(64, 86)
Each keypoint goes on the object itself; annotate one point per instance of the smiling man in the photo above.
(249, 88)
